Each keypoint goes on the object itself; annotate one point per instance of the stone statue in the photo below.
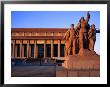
(92, 37)
(67, 44)
(80, 38)
(76, 40)
(70, 40)
(79, 46)
(83, 32)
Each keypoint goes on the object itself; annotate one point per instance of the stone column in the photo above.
(35, 49)
(27, 49)
(51, 48)
(21, 49)
(16, 51)
(58, 48)
(13, 49)
(44, 49)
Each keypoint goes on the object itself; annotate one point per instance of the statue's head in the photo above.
(82, 19)
(93, 26)
(72, 26)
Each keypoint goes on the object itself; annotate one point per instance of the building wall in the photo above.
(24, 41)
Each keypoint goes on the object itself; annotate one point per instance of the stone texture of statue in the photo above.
(92, 37)
(70, 40)
(83, 33)
(80, 39)
(67, 44)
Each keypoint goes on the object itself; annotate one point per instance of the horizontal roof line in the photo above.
(39, 29)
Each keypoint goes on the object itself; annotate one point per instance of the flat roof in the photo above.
(39, 29)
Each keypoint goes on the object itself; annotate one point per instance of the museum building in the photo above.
(37, 43)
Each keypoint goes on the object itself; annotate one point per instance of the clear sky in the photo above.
(53, 19)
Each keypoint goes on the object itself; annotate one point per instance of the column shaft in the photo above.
(59, 48)
(27, 49)
(13, 49)
(21, 49)
(30, 51)
(35, 49)
(16, 51)
(44, 49)
(51, 48)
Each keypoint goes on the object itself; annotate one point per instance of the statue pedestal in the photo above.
(87, 65)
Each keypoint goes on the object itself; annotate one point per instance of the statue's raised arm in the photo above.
(88, 17)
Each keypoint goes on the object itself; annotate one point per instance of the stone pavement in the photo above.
(33, 71)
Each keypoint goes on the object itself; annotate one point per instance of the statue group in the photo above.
(81, 37)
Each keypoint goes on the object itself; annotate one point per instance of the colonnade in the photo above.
(21, 49)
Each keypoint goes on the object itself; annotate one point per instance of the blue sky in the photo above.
(53, 19)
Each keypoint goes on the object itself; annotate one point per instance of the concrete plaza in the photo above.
(33, 71)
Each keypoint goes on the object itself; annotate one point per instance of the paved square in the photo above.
(33, 71)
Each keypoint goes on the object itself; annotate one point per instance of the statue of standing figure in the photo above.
(92, 37)
(70, 40)
(83, 33)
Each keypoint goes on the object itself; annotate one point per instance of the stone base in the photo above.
(87, 65)
(76, 73)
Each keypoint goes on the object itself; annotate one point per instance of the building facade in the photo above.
(37, 42)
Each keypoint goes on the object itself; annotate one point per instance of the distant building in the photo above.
(37, 42)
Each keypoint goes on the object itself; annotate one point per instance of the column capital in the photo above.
(28, 42)
(13, 41)
(44, 41)
(59, 41)
(34, 41)
(21, 41)
(51, 41)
